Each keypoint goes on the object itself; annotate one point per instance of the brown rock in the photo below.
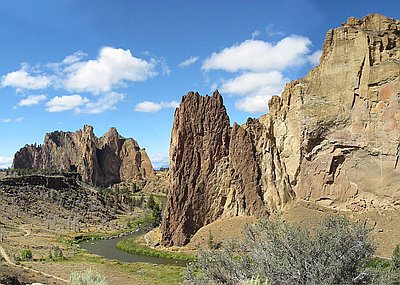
(332, 137)
(100, 161)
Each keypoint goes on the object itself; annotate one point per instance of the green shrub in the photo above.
(89, 277)
(396, 256)
(284, 253)
(26, 254)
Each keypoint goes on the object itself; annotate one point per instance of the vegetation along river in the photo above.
(107, 248)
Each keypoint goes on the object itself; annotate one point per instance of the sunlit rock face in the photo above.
(332, 137)
(100, 161)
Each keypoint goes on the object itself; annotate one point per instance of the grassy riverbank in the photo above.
(132, 245)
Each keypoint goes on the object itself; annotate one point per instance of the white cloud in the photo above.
(260, 56)
(257, 88)
(255, 34)
(151, 107)
(82, 105)
(272, 32)
(6, 120)
(188, 61)
(269, 83)
(253, 103)
(314, 57)
(32, 100)
(159, 160)
(258, 67)
(114, 67)
(73, 58)
(21, 79)
(104, 103)
(9, 120)
(5, 162)
(65, 103)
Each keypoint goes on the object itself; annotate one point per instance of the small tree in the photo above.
(89, 277)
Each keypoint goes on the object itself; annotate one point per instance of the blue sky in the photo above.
(127, 63)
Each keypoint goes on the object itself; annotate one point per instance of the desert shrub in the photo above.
(396, 257)
(255, 281)
(89, 277)
(284, 253)
(26, 254)
(56, 253)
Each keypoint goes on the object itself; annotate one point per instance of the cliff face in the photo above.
(332, 137)
(100, 161)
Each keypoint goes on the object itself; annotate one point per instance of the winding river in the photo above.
(107, 248)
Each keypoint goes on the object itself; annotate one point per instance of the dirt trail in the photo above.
(9, 261)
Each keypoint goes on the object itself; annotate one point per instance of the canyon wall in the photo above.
(332, 137)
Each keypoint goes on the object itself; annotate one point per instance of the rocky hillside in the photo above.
(100, 161)
(332, 138)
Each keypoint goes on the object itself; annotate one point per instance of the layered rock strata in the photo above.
(100, 161)
(332, 137)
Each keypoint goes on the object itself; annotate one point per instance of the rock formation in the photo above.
(100, 161)
(332, 137)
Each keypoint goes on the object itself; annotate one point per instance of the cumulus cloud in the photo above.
(260, 56)
(32, 100)
(104, 103)
(22, 79)
(114, 67)
(258, 68)
(269, 83)
(151, 107)
(188, 61)
(65, 103)
(83, 105)
(5, 162)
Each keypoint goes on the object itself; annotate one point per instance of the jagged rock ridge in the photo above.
(332, 137)
(100, 161)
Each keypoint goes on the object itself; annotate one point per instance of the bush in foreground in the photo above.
(89, 277)
(284, 253)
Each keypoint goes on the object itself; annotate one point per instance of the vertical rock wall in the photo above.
(332, 137)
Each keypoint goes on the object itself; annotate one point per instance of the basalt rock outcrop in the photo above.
(102, 161)
(332, 137)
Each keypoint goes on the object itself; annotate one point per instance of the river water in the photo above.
(107, 248)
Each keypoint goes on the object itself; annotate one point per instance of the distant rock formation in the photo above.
(100, 161)
(332, 137)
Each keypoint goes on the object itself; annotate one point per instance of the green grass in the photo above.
(155, 274)
(132, 246)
